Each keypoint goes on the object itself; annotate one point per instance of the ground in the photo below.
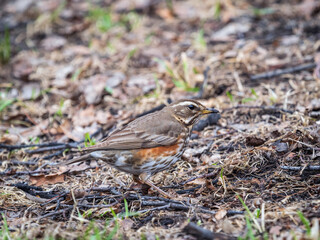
(73, 71)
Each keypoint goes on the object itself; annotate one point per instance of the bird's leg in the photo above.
(143, 178)
(139, 185)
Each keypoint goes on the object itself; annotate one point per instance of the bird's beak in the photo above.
(209, 110)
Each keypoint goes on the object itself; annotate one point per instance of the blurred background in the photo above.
(69, 67)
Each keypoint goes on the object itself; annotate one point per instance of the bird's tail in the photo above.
(75, 160)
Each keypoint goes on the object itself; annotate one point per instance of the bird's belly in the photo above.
(136, 162)
(158, 159)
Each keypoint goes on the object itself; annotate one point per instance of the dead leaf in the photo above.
(35, 130)
(115, 79)
(72, 51)
(126, 224)
(66, 128)
(281, 147)
(93, 88)
(22, 68)
(254, 141)
(316, 73)
(77, 193)
(307, 8)
(133, 5)
(275, 230)
(220, 214)
(41, 180)
(84, 117)
(166, 14)
(198, 181)
(140, 84)
(9, 138)
(290, 155)
(104, 117)
(231, 30)
(53, 42)
(30, 91)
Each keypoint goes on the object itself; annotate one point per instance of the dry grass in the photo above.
(262, 150)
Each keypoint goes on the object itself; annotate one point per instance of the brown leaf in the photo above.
(22, 69)
(275, 230)
(104, 117)
(84, 117)
(77, 193)
(9, 138)
(93, 88)
(198, 181)
(307, 8)
(66, 128)
(127, 224)
(41, 180)
(254, 141)
(35, 130)
(209, 185)
(221, 214)
(165, 13)
(53, 42)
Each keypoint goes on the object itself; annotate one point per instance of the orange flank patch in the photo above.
(162, 151)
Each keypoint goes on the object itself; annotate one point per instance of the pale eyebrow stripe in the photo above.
(185, 103)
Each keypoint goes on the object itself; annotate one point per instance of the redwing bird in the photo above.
(151, 143)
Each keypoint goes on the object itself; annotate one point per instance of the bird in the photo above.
(149, 144)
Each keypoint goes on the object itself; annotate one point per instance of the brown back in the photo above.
(152, 130)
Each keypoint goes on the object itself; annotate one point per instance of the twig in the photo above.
(55, 213)
(35, 191)
(176, 206)
(292, 168)
(137, 197)
(207, 175)
(198, 232)
(259, 107)
(42, 147)
(57, 153)
(112, 190)
(185, 207)
(16, 162)
(11, 172)
(153, 203)
(56, 198)
(188, 190)
(153, 209)
(279, 72)
(92, 206)
(204, 234)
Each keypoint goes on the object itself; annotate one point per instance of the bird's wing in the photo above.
(145, 133)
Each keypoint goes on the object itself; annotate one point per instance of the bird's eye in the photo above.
(191, 107)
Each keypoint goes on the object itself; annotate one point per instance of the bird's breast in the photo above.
(162, 151)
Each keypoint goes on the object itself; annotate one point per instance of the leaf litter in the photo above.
(80, 68)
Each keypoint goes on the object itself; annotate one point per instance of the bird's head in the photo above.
(189, 111)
